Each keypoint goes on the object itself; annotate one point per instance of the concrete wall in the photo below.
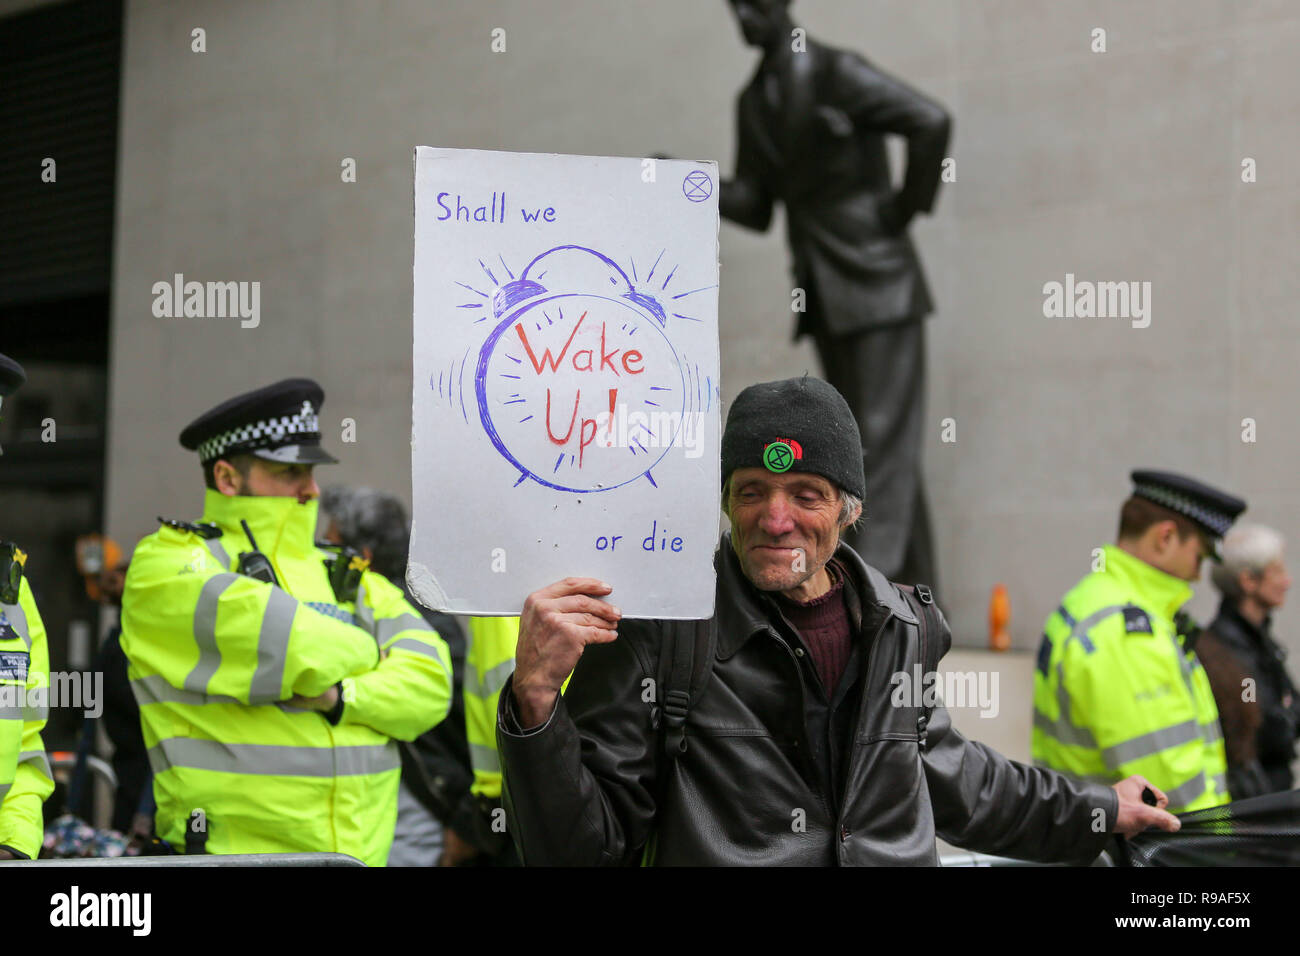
(1122, 165)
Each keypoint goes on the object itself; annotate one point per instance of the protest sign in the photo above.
(566, 395)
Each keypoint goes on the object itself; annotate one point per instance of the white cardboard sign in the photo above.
(566, 395)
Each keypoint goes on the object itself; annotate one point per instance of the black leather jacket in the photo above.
(1276, 699)
(591, 784)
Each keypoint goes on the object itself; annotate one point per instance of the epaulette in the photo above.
(204, 529)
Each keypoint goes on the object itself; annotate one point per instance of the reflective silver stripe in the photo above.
(155, 689)
(1220, 783)
(1185, 793)
(12, 712)
(37, 757)
(4, 788)
(489, 683)
(205, 631)
(34, 715)
(419, 647)
(219, 552)
(272, 647)
(484, 758)
(389, 626)
(273, 759)
(1212, 732)
(1063, 728)
(1079, 632)
(18, 620)
(364, 614)
(1063, 731)
(1153, 742)
(1067, 617)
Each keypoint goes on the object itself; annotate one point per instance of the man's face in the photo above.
(1183, 556)
(274, 479)
(784, 527)
(759, 19)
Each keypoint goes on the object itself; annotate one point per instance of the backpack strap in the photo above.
(688, 652)
(920, 599)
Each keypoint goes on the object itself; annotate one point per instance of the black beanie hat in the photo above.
(799, 424)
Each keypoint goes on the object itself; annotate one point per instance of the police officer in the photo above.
(1117, 689)
(25, 778)
(273, 677)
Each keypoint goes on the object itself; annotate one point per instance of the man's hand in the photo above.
(324, 703)
(455, 850)
(557, 623)
(1135, 815)
(6, 855)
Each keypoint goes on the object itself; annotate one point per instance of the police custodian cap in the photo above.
(1211, 509)
(278, 423)
(11, 376)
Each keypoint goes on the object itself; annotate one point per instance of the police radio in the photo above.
(254, 563)
(12, 559)
(345, 569)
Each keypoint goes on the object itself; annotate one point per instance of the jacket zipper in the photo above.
(845, 832)
(801, 741)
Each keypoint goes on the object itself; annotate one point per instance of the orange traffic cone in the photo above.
(999, 619)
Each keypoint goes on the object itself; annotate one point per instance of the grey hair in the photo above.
(368, 518)
(1247, 547)
(849, 505)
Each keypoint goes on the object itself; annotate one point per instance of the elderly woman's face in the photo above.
(1272, 584)
(784, 527)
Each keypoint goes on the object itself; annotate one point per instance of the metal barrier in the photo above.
(207, 859)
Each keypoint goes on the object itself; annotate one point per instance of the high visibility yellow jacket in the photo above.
(215, 655)
(1116, 691)
(25, 778)
(489, 662)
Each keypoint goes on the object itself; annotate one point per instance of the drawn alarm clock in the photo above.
(578, 384)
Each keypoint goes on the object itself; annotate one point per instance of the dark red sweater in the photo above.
(824, 627)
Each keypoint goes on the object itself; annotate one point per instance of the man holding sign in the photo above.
(789, 747)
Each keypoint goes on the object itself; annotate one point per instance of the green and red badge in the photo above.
(781, 454)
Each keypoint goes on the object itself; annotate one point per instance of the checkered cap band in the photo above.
(268, 433)
(1198, 511)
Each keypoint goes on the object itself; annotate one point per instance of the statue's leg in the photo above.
(881, 373)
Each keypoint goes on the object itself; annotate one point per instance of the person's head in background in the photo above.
(1253, 574)
(373, 522)
(1163, 538)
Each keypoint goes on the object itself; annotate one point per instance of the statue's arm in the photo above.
(745, 199)
(875, 100)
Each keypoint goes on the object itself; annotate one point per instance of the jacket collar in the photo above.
(1248, 633)
(278, 524)
(1159, 591)
(743, 610)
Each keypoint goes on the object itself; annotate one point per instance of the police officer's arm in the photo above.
(410, 690)
(21, 822)
(488, 664)
(578, 782)
(875, 100)
(210, 631)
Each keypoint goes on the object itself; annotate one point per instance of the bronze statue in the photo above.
(812, 125)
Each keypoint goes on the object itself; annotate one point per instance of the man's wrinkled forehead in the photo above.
(751, 477)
